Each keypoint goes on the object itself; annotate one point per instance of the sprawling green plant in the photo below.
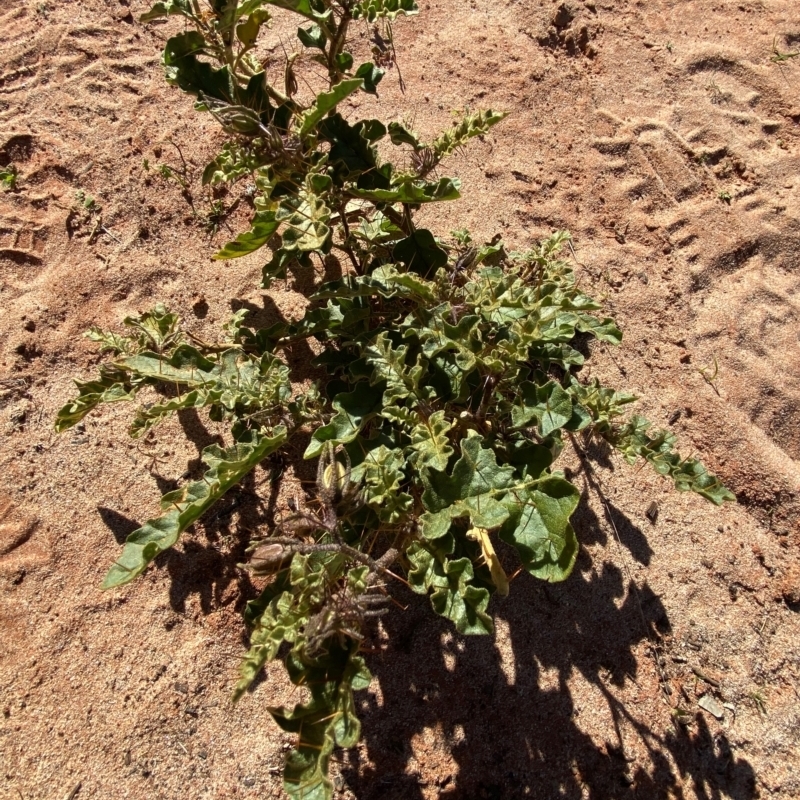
(452, 369)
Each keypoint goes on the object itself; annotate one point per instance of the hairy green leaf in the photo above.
(389, 369)
(420, 253)
(413, 191)
(313, 36)
(311, 9)
(327, 102)
(114, 385)
(327, 720)
(549, 405)
(429, 442)
(158, 328)
(449, 583)
(184, 506)
(385, 282)
(605, 330)
(472, 489)
(353, 410)
(634, 441)
(233, 383)
(184, 69)
(381, 474)
(262, 229)
(471, 125)
(167, 8)
(399, 134)
(344, 61)
(538, 526)
(371, 75)
(247, 31)
(352, 153)
(306, 221)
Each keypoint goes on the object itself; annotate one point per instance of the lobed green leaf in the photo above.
(184, 69)
(476, 124)
(449, 583)
(327, 720)
(415, 191)
(538, 526)
(167, 8)
(430, 445)
(113, 385)
(550, 405)
(353, 411)
(420, 253)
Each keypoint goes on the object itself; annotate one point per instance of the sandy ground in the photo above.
(665, 138)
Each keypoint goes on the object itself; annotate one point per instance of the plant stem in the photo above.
(336, 45)
(346, 243)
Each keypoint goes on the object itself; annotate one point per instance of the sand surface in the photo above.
(666, 139)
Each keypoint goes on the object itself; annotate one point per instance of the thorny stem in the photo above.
(377, 566)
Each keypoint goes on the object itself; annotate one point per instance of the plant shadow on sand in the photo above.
(499, 733)
(502, 735)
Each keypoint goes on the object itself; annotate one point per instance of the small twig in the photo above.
(572, 250)
(346, 243)
(183, 160)
(97, 226)
(217, 348)
(377, 566)
(488, 389)
(709, 379)
(108, 232)
(72, 792)
(703, 677)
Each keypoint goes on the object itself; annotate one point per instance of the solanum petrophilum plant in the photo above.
(453, 370)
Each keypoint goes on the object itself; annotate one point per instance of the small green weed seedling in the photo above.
(169, 173)
(8, 178)
(779, 57)
(453, 369)
(710, 377)
(86, 201)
